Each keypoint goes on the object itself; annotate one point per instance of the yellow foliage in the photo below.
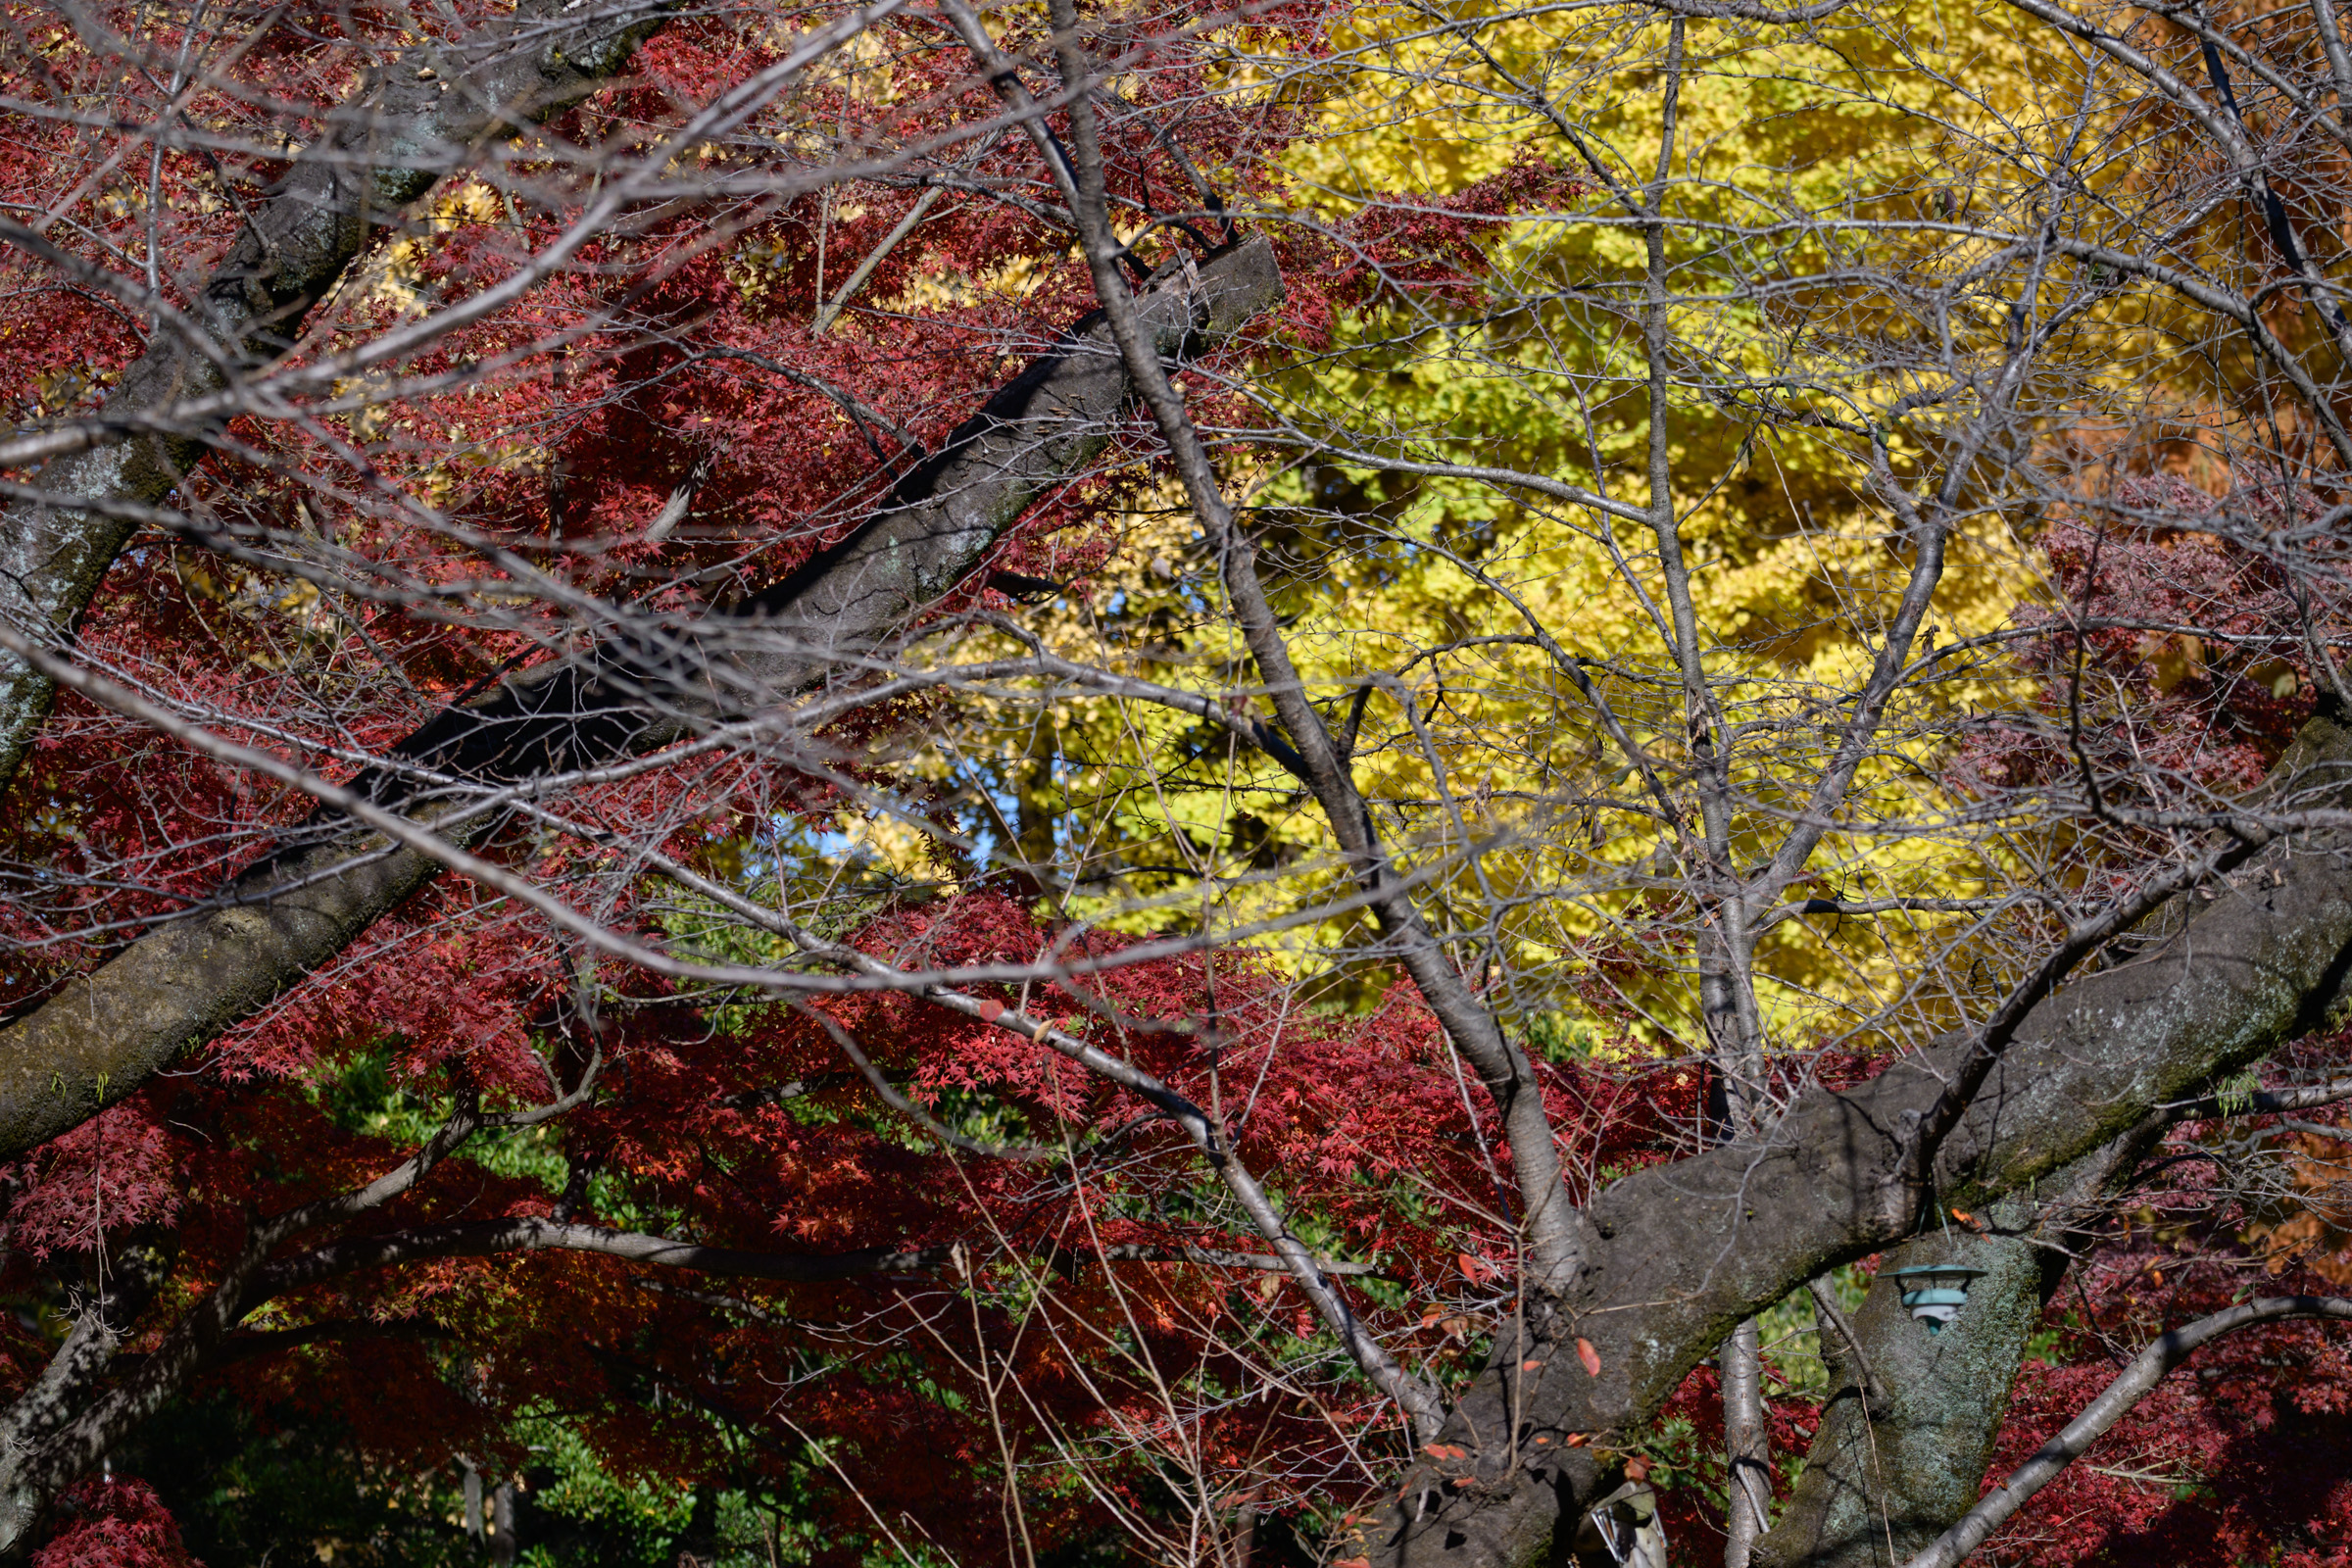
(1456, 523)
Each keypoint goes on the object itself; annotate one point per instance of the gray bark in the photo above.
(1685, 1252)
(103, 1034)
(401, 131)
(1885, 1478)
(1747, 1445)
(1911, 1418)
(503, 1544)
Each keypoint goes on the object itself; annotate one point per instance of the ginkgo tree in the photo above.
(1180, 783)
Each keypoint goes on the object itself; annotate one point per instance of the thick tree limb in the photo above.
(1887, 1472)
(104, 1033)
(1685, 1252)
(2136, 1382)
(405, 128)
(1897, 1460)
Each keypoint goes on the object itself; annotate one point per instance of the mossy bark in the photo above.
(1883, 1481)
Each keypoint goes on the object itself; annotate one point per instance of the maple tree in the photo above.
(810, 759)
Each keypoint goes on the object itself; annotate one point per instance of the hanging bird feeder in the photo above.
(1934, 1291)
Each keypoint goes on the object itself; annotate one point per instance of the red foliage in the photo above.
(683, 345)
(2242, 1455)
(114, 1522)
(2180, 601)
(114, 1173)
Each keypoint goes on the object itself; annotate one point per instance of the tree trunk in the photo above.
(1747, 1445)
(103, 1034)
(1880, 1483)
(1685, 1252)
(401, 131)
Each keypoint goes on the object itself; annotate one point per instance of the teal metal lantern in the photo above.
(1934, 1291)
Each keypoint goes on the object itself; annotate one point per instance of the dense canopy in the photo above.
(1312, 783)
